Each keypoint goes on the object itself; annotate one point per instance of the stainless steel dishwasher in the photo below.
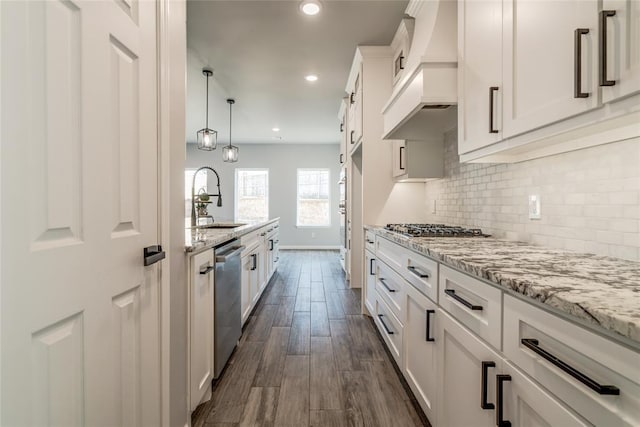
(227, 294)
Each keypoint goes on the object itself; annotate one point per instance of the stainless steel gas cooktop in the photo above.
(435, 230)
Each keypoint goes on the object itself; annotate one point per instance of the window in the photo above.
(252, 194)
(201, 184)
(313, 198)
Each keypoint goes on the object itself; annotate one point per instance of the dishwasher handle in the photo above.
(224, 257)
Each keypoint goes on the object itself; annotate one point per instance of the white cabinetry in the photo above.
(354, 101)
(538, 62)
(400, 45)
(538, 78)
(420, 350)
(250, 279)
(462, 381)
(418, 161)
(202, 270)
(344, 133)
(622, 39)
(369, 291)
(479, 74)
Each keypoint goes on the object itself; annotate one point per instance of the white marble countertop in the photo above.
(598, 290)
(198, 239)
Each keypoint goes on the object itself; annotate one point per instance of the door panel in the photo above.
(80, 312)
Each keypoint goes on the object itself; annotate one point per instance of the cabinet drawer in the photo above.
(390, 286)
(369, 240)
(532, 336)
(473, 303)
(390, 328)
(389, 252)
(421, 272)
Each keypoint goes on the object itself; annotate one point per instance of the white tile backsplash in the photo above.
(590, 198)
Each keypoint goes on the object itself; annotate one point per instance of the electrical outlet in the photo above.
(534, 206)
(433, 207)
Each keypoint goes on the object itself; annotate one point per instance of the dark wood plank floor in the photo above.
(307, 357)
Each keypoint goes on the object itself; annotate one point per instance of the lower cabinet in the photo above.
(466, 389)
(370, 281)
(250, 282)
(420, 365)
(201, 319)
(390, 328)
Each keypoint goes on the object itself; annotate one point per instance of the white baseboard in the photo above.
(310, 248)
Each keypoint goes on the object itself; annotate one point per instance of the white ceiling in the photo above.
(260, 52)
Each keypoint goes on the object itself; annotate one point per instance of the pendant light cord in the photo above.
(230, 105)
(207, 118)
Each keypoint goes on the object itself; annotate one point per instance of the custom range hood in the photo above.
(422, 103)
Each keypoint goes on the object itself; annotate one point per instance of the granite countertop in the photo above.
(199, 239)
(599, 290)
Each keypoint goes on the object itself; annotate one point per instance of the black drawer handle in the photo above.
(415, 271)
(389, 331)
(604, 14)
(153, 254)
(532, 344)
(401, 156)
(492, 90)
(270, 244)
(353, 132)
(370, 241)
(207, 270)
(254, 258)
(371, 272)
(500, 379)
(452, 294)
(352, 98)
(577, 63)
(428, 325)
(384, 283)
(483, 391)
(341, 161)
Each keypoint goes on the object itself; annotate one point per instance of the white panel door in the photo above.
(420, 350)
(460, 376)
(623, 48)
(538, 66)
(80, 312)
(479, 73)
(201, 327)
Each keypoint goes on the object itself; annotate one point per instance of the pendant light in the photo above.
(207, 138)
(230, 152)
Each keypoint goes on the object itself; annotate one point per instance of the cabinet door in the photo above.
(623, 49)
(460, 378)
(538, 62)
(420, 354)
(370, 282)
(343, 137)
(257, 276)
(355, 111)
(247, 272)
(526, 404)
(201, 325)
(399, 158)
(479, 74)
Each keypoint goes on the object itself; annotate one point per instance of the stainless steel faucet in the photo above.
(193, 193)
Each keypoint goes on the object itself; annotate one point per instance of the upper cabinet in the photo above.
(417, 161)
(619, 24)
(400, 45)
(354, 89)
(343, 117)
(538, 78)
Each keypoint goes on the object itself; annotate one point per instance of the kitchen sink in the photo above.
(221, 225)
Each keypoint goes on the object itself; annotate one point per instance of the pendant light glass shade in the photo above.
(230, 152)
(207, 138)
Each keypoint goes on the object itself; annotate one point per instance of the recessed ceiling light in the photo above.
(276, 129)
(311, 78)
(310, 7)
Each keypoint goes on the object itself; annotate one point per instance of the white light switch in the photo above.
(433, 207)
(534, 206)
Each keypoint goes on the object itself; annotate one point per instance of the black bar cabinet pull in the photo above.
(577, 63)
(492, 90)
(341, 127)
(389, 331)
(270, 244)
(533, 345)
(428, 325)
(604, 14)
(384, 283)
(415, 271)
(207, 270)
(152, 254)
(371, 272)
(483, 391)
(452, 294)
(351, 136)
(254, 258)
(352, 98)
(500, 379)
(401, 151)
(341, 160)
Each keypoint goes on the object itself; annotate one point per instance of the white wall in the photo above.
(282, 160)
(590, 198)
